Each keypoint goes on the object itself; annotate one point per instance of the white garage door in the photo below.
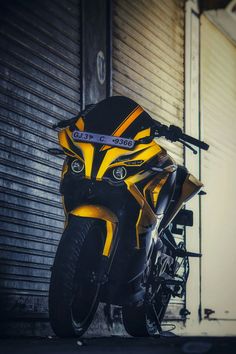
(218, 91)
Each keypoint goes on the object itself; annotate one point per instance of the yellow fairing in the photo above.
(88, 154)
(102, 213)
(147, 151)
(62, 137)
(80, 124)
(125, 124)
(190, 187)
(147, 219)
(142, 134)
(64, 169)
(142, 152)
(86, 149)
(154, 188)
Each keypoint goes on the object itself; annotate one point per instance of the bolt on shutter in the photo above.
(148, 66)
(40, 85)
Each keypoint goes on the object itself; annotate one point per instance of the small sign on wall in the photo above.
(101, 67)
(96, 48)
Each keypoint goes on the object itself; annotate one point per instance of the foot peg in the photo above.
(168, 240)
(179, 252)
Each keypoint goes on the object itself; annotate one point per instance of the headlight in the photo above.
(77, 166)
(119, 172)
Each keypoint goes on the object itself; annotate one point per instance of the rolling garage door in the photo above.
(218, 92)
(148, 65)
(40, 85)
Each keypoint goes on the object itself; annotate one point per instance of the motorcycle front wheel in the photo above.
(74, 291)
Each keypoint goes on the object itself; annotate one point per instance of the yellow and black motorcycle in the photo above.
(122, 194)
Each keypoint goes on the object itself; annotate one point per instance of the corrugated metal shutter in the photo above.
(40, 85)
(148, 64)
(218, 92)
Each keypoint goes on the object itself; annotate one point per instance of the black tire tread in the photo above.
(134, 317)
(63, 273)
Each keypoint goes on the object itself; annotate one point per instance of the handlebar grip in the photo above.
(196, 142)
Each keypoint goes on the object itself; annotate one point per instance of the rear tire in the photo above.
(145, 320)
(73, 294)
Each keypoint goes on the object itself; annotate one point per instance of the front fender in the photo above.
(102, 213)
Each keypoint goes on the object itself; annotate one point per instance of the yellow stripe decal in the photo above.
(130, 119)
(156, 191)
(88, 154)
(125, 124)
(109, 157)
(109, 238)
(146, 215)
(137, 228)
(138, 177)
(63, 141)
(145, 154)
(80, 124)
(149, 187)
(142, 134)
(63, 135)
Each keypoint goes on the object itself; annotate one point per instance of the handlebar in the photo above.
(174, 133)
(196, 142)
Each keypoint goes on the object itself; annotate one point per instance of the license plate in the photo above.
(103, 139)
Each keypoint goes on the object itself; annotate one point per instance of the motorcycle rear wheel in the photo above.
(74, 292)
(145, 320)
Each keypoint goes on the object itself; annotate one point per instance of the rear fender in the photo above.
(101, 213)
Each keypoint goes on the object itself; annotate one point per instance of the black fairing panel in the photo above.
(126, 272)
(78, 191)
(166, 194)
(181, 175)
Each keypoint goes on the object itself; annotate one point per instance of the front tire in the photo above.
(74, 291)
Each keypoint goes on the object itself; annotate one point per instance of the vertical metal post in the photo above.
(95, 51)
(192, 116)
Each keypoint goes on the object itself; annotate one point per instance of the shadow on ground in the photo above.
(118, 345)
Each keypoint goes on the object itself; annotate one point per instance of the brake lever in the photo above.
(188, 146)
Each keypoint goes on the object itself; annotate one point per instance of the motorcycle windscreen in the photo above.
(116, 116)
